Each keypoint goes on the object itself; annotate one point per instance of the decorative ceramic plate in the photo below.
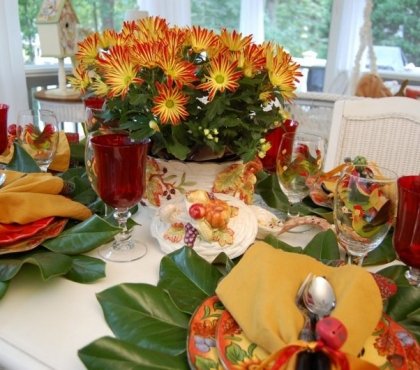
(201, 341)
(390, 347)
(11, 233)
(51, 231)
(244, 226)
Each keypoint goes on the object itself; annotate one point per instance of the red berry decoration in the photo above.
(331, 331)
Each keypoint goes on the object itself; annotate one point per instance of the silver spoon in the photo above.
(307, 332)
(319, 297)
(2, 178)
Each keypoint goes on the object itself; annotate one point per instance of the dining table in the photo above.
(45, 323)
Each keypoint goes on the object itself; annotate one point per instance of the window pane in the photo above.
(216, 14)
(93, 15)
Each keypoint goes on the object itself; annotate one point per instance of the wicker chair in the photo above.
(384, 130)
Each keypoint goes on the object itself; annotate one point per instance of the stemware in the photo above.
(406, 237)
(37, 133)
(299, 162)
(364, 209)
(119, 165)
(3, 127)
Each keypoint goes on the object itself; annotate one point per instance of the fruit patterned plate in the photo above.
(216, 338)
(201, 342)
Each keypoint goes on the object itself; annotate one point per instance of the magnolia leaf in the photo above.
(403, 307)
(188, 278)
(86, 269)
(22, 161)
(383, 254)
(50, 264)
(113, 354)
(83, 237)
(269, 189)
(3, 288)
(323, 246)
(276, 243)
(146, 316)
(77, 152)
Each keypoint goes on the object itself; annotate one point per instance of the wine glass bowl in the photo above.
(299, 162)
(406, 238)
(38, 135)
(364, 209)
(119, 165)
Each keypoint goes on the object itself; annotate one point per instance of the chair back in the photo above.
(384, 130)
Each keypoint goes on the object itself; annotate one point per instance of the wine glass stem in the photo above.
(355, 260)
(124, 237)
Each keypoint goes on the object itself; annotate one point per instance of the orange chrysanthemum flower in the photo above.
(152, 29)
(234, 40)
(179, 71)
(108, 38)
(283, 72)
(222, 75)
(80, 79)
(170, 104)
(88, 50)
(251, 60)
(202, 39)
(147, 55)
(119, 71)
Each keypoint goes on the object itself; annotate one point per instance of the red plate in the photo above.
(31, 242)
(11, 233)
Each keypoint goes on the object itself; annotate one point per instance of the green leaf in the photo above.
(50, 264)
(145, 315)
(403, 307)
(276, 243)
(3, 288)
(269, 189)
(113, 354)
(323, 246)
(383, 254)
(83, 237)
(188, 278)
(22, 161)
(86, 269)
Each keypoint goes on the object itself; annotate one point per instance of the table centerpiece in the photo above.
(199, 95)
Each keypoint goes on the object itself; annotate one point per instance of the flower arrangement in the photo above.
(191, 90)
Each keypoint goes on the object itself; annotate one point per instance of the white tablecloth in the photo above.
(44, 323)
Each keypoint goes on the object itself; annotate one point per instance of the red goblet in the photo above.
(407, 229)
(3, 127)
(119, 164)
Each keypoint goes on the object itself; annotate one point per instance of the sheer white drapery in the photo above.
(346, 20)
(175, 12)
(252, 19)
(12, 71)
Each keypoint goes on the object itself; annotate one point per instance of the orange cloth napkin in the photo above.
(260, 294)
(61, 159)
(29, 197)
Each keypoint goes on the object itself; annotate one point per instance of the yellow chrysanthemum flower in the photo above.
(119, 71)
(202, 39)
(234, 40)
(222, 75)
(170, 104)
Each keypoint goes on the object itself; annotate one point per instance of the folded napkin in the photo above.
(260, 294)
(29, 197)
(61, 159)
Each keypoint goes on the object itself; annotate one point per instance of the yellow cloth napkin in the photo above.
(260, 294)
(29, 197)
(61, 159)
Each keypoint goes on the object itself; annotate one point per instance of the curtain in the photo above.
(346, 21)
(12, 72)
(252, 19)
(176, 12)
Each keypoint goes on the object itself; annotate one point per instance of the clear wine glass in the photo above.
(119, 166)
(364, 209)
(406, 237)
(37, 133)
(299, 162)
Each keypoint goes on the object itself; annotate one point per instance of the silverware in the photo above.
(307, 333)
(2, 178)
